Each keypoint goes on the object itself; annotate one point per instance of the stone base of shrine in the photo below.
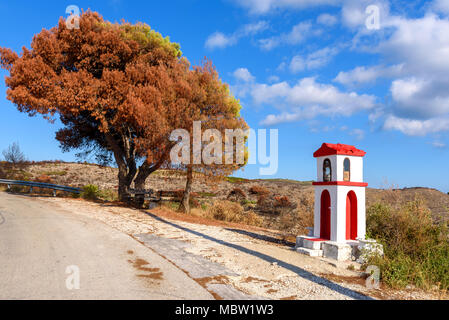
(350, 250)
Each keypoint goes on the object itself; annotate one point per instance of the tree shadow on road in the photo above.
(262, 237)
(299, 271)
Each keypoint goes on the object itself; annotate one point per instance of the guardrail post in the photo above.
(54, 193)
(31, 189)
(9, 187)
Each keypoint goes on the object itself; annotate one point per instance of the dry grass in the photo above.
(259, 190)
(233, 212)
(237, 194)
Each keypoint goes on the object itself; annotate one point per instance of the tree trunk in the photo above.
(126, 162)
(139, 183)
(123, 187)
(126, 168)
(185, 202)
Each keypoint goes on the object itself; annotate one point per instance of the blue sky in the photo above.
(310, 68)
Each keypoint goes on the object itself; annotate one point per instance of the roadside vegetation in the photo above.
(416, 248)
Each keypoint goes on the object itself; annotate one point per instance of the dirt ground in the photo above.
(261, 266)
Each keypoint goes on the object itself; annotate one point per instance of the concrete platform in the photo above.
(351, 250)
(337, 251)
(315, 244)
(310, 252)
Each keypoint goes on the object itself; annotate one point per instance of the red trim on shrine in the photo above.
(340, 183)
(328, 149)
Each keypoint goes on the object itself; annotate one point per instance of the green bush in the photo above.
(416, 249)
(90, 192)
(246, 201)
(172, 205)
(108, 195)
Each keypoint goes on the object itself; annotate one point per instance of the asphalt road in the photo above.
(46, 253)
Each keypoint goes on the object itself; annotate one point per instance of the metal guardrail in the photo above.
(32, 185)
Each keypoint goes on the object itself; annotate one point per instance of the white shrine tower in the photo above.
(339, 215)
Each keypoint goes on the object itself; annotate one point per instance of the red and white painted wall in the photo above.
(340, 214)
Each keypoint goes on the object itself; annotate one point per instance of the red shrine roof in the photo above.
(328, 149)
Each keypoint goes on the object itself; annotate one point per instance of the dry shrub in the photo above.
(294, 218)
(252, 218)
(236, 195)
(264, 203)
(44, 179)
(274, 205)
(288, 219)
(416, 249)
(305, 209)
(409, 229)
(3, 173)
(194, 203)
(282, 202)
(178, 194)
(225, 210)
(259, 190)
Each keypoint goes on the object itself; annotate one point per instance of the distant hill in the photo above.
(301, 192)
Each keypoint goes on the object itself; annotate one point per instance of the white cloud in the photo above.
(415, 127)
(327, 19)
(413, 55)
(358, 133)
(354, 14)
(439, 145)
(221, 40)
(282, 66)
(266, 6)
(308, 99)
(313, 60)
(421, 98)
(416, 50)
(422, 44)
(298, 34)
(243, 74)
(253, 28)
(441, 6)
(364, 75)
(273, 78)
(297, 64)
